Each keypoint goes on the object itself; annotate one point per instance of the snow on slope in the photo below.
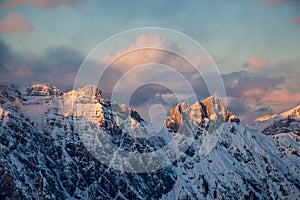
(262, 123)
(243, 165)
(293, 113)
(42, 155)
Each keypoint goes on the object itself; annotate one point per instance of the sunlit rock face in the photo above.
(43, 156)
(211, 112)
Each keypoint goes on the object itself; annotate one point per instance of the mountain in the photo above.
(285, 122)
(45, 152)
(284, 128)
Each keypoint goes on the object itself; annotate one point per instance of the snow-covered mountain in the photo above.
(43, 155)
(288, 121)
(284, 129)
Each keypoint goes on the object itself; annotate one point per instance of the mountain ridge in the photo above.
(293, 113)
(43, 156)
(288, 121)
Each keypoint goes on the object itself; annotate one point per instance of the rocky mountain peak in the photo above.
(201, 113)
(215, 109)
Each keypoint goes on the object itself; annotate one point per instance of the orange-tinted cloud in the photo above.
(296, 20)
(287, 94)
(253, 93)
(161, 51)
(14, 23)
(128, 58)
(41, 3)
(282, 96)
(158, 50)
(257, 62)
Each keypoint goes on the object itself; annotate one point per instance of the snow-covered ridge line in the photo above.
(292, 113)
(285, 122)
(43, 157)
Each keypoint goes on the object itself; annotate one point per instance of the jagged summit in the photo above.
(211, 108)
(215, 108)
(208, 111)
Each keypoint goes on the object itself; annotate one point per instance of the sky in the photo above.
(254, 43)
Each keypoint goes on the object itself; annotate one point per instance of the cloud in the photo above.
(14, 23)
(41, 3)
(296, 20)
(286, 94)
(247, 112)
(9, 59)
(132, 61)
(248, 84)
(282, 96)
(264, 91)
(60, 59)
(6, 53)
(57, 66)
(164, 52)
(277, 2)
(257, 62)
(245, 91)
(129, 58)
(286, 68)
(251, 93)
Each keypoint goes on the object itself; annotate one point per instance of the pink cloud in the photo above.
(14, 23)
(257, 62)
(155, 49)
(135, 54)
(41, 3)
(253, 93)
(296, 20)
(282, 96)
(163, 52)
(285, 94)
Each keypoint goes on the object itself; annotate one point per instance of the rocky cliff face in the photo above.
(208, 114)
(43, 155)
